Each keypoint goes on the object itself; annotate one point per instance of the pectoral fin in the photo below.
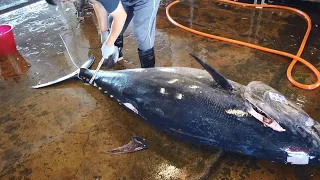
(136, 144)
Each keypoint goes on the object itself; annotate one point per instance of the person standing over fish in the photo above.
(112, 27)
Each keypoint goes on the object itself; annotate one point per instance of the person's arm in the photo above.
(119, 17)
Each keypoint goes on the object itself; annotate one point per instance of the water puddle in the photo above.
(13, 66)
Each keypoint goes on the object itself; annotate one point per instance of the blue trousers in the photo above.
(143, 13)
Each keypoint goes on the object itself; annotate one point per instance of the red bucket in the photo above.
(7, 42)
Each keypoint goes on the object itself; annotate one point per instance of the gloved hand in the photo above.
(110, 54)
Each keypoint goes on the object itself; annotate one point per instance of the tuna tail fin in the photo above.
(74, 74)
(221, 80)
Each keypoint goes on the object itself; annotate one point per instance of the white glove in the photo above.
(110, 55)
(107, 50)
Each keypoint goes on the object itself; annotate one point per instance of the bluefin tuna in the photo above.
(204, 108)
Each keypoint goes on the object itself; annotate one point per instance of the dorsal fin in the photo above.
(222, 81)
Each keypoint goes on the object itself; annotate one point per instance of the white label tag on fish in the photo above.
(299, 158)
(278, 98)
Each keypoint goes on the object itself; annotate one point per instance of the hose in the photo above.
(294, 57)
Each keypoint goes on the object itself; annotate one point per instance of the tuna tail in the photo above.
(74, 74)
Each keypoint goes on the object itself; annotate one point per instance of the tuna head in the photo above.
(273, 106)
(267, 105)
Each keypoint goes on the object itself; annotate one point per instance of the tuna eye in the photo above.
(301, 131)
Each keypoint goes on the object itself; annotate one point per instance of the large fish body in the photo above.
(188, 103)
(202, 107)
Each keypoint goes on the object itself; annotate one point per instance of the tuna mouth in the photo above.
(264, 118)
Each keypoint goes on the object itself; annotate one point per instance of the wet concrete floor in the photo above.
(57, 132)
